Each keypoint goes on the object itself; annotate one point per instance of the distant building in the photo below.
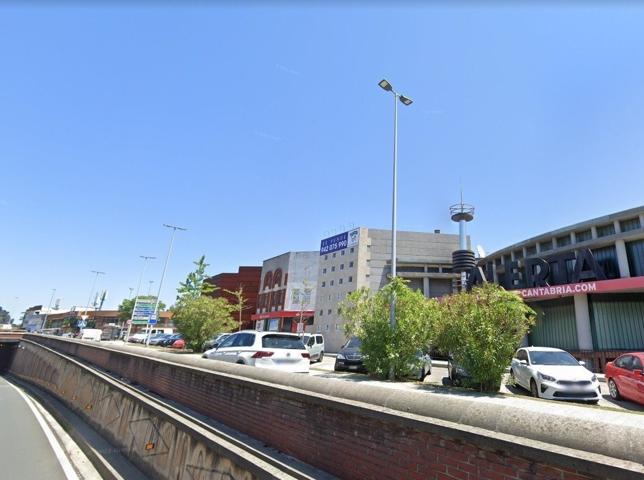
(68, 320)
(362, 258)
(247, 278)
(288, 292)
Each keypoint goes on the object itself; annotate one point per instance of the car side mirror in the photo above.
(523, 362)
(582, 363)
(638, 372)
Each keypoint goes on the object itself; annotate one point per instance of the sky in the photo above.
(261, 129)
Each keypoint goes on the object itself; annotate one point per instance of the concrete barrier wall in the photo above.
(159, 443)
(363, 432)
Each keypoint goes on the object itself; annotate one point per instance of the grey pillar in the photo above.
(426, 287)
(582, 319)
(622, 259)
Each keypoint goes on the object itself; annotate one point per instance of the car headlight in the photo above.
(594, 378)
(340, 356)
(547, 378)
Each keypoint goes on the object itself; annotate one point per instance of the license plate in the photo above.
(353, 367)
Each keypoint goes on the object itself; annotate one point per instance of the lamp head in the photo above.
(385, 85)
(406, 100)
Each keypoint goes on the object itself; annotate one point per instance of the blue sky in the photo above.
(263, 130)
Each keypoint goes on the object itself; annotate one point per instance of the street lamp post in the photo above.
(150, 282)
(138, 288)
(44, 322)
(165, 266)
(91, 292)
(386, 86)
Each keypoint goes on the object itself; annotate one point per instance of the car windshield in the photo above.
(354, 343)
(552, 358)
(282, 341)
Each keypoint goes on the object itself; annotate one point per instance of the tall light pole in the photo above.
(138, 288)
(150, 282)
(97, 273)
(165, 266)
(386, 86)
(44, 322)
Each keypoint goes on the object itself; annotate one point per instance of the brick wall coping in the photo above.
(525, 426)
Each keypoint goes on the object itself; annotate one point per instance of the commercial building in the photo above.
(362, 258)
(248, 279)
(288, 292)
(585, 281)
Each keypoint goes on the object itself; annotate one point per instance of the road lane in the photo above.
(25, 449)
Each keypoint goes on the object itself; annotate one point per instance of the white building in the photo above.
(362, 258)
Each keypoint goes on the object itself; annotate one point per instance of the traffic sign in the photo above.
(143, 310)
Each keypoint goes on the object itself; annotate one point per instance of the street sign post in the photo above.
(143, 310)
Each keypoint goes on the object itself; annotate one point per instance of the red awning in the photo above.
(282, 314)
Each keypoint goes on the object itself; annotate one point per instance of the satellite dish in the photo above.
(480, 251)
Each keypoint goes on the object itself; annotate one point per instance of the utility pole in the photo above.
(138, 287)
(44, 322)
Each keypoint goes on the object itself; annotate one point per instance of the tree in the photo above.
(241, 302)
(127, 305)
(303, 298)
(385, 349)
(195, 284)
(199, 319)
(482, 329)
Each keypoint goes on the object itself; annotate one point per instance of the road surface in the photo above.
(28, 447)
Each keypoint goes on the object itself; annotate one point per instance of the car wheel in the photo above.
(513, 380)
(423, 374)
(240, 362)
(534, 391)
(613, 390)
(321, 357)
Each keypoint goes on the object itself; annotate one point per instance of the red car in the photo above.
(179, 344)
(625, 377)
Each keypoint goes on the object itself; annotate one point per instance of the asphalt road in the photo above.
(25, 449)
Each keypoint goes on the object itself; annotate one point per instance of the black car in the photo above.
(159, 338)
(169, 340)
(349, 357)
(215, 341)
(457, 375)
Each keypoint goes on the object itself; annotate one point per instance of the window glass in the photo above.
(624, 362)
(247, 340)
(637, 364)
(552, 358)
(290, 342)
(228, 342)
(319, 339)
(350, 264)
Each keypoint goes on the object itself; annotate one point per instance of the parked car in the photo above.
(350, 357)
(274, 350)
(625, 377)
(215, 341)
(423, 366)
(91, 334)
(137, 338)
(314, 343)
(170, 339)
(178, 343)
(554, 374)
(157, 338)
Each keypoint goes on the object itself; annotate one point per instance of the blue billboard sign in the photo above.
(339, 242)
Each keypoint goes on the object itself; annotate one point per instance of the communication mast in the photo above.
(462, 259)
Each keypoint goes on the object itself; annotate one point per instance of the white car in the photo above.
(314, 343)
(137, 338)
(554, 374)
(274, 350)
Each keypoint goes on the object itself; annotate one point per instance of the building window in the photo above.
(350, 264)
(319, 328)
(323, 285)
(446, 270)
(635, 254)
(350, 279)
(329, 296)
(518, 254)
(583, 236)
(340, 281)
(432, 269)
(545, 245)
(607, 259)
(342, 252)
(333, 268)
(331, 282)
(333, 254)
(321, 314)
(324, 271)
(352, 250)
(628, 225)
(326, 327)
(606, 230)
(326, 257)
(342, 266)
(563, 241)
(530, 251)
(328, 312)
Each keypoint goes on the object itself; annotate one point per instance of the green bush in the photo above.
(201, 318)
(384, 349)
(482, 329)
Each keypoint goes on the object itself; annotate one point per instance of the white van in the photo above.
(314, 343)
(91, 334)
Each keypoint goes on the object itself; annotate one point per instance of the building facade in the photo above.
(246, 278)
(288, 292)
(585, 281)
(362, 258)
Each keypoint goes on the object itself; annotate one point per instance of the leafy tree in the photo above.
(127, 305)
(482, 329)
(195, 284)
(241, 302)
(385, 349)
(199, 319)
